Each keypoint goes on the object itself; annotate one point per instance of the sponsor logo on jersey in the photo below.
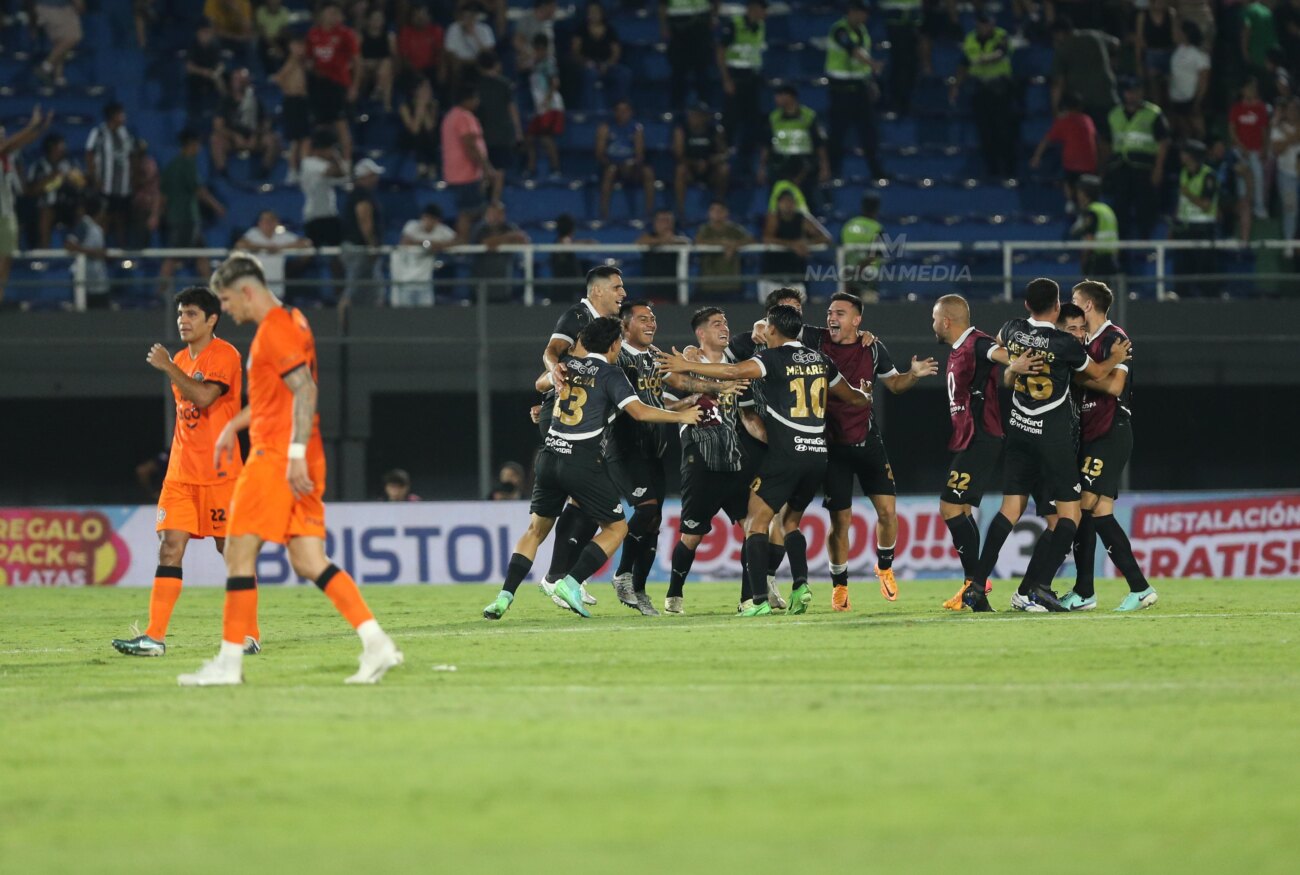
(806, 357)
(198, 376)
(638, 492)
(689, 524)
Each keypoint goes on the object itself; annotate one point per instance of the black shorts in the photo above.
(1103, 461)
(868, 462)
(785, 480)
(705, 492)
(329, 100)
(296, 115)
(639, 479)
(1044, 466)
(970, 474)
(325, 231)
(583, 477)
(183, 235)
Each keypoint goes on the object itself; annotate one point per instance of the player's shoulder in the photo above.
(224, 348)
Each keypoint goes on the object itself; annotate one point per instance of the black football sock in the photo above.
(1062, 541)
(1039, 560)
(839, 574)
(640, 538)
(885, 556)
(631, 553)
(1117, 545)
(588, 562)
(756, 553)
(516, 571)
(645, 563)
(683, 559)
(967, 543)
(572, 532)
(999, 530)
(775, 556)
(1085, 557)
(745, 592)
(796, 550)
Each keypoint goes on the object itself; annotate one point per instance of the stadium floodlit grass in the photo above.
(894, 738)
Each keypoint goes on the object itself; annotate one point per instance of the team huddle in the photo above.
(767, 419)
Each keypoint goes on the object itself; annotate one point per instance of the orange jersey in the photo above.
(196, 430)
(283, 343)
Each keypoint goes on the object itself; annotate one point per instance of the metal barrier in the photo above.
(886, 253)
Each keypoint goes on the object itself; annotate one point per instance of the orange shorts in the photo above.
(200, 511)
(264, 504)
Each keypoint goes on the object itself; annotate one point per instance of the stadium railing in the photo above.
(896, 263)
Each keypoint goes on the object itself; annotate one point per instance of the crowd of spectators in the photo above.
(1165, 109)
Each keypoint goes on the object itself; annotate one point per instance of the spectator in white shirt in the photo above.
(268, 239)
(319, 174)
(412, 264)
(1189, 80)
(466, 38)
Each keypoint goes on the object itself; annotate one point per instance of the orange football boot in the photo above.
(888, 586)
(955, 603)
(840, 598)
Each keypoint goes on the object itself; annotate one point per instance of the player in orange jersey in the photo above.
(195, 500)
(278, 496)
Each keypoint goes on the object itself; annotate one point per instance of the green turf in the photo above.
(894, 738)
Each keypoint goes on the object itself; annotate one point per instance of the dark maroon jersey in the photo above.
(846, 424)
(972, 390)
(1100, 411)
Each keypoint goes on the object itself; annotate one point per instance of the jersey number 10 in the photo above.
(803, 394)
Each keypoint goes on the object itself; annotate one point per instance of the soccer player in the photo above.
(278, 496)
(718, 463)
(605, 294)
(195, 500)
(977, 435)
(1040, 442)
(1106, 443)
(635, 450)
(856, 447)
(571, 466)
(797, 382)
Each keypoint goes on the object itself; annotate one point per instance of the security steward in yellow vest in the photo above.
(794, 146)
(853, 93)
(1096, 222)
(1197, 218)
(741, 42)
(903, 26)
(687, 25)
(1139, 138)
(986, 59)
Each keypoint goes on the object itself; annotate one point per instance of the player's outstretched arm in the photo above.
(1120, 352)
(303, 387)
(551, 359)
(685, 384)
(900, 383)
(676, 363)
(1112, 385)
(201, 395)
(645, 413)
(860, 397)
(754, 425)
(1029, 363)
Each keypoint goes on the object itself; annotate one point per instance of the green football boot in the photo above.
(569, 590)
(757, 610)
(1136, 601)
(1072, 601)
(498, 608)
(141, 645)
(800, 599)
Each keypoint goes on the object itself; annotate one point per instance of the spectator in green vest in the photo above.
(986, 58)
(794, 146)
(1197, 218)
(1139, 137)
(851, 69)
(1096, 222)
(863, 229)
(903, 27)
(741, 42)
(687, 27)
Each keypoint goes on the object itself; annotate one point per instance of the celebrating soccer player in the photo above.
(572, 467)
(1106, 444)
(195, 500)
(278, 496)
(797, 381)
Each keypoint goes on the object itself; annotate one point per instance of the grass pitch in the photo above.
(894, 738)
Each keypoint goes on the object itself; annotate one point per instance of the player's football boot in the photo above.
(498, 608)
(840, 598)
(977, 600)
(1026, 603)
(1136, 601)
(754, 610)
(547, 587)
(1072, 601)
(774, 598)
(673, 605)
(958, 601)
(645, 606)
(587, 598)
(1044, 596)
(624, 590)
(375, 661)
(800, 599)
(569, 590)
(216, 672)
(888, 586)
(744, 606)
(141, 645)
(252, 646)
